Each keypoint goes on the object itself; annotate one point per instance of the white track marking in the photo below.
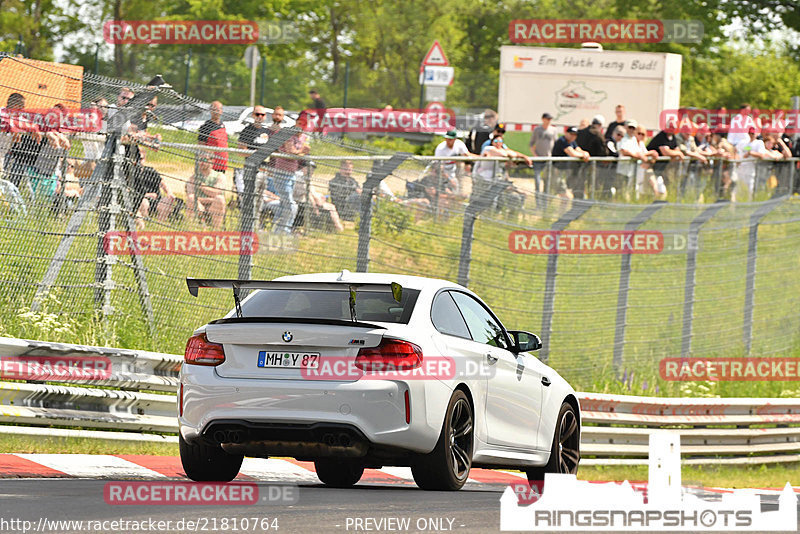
(92, 465)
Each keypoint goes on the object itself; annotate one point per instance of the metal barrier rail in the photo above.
(139, 396)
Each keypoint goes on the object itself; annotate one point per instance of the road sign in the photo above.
(252, 56)
(435, 93)
(441, 76)
(435, 56)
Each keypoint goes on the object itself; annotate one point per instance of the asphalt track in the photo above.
(43, 489)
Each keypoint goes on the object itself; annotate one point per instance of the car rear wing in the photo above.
(194, 285)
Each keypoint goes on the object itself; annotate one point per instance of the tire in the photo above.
(565, 454)
(339, 472)
(203, 463)
(446, 468)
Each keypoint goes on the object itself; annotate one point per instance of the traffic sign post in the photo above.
(435, 74)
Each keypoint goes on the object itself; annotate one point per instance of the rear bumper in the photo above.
(298, 417)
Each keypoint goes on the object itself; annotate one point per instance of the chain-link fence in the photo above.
(100, 230)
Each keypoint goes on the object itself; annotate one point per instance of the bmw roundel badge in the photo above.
(287, 336)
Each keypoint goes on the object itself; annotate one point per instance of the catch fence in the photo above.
(717, 278)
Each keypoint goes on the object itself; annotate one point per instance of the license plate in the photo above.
(288, 360)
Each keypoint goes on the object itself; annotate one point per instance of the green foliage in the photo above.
(383, 43)
(390, 219)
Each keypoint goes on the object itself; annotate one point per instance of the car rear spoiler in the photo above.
(194, 285)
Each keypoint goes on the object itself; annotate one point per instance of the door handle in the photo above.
(490, 358)
(545, 381)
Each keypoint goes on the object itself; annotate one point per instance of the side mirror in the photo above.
(525, 341)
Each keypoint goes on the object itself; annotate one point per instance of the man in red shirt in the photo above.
(212, 133)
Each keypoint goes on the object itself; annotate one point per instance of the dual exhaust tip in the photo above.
(229, 436)
(337, 440)
(342, 439)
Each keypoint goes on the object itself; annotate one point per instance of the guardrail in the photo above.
(136, 400)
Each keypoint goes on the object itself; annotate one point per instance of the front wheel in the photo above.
(203, 463)
(565, 453)
(447, 466)
(339, 473)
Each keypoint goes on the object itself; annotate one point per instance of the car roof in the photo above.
(407, 281)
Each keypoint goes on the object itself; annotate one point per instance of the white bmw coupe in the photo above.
(354, 371)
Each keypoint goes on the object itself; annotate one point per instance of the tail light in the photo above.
(390, 355)
(200, 351)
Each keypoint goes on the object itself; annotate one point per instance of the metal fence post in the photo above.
(87, 204)
(107, 209)
(691, 268)
(380, 170)
(594, 178)
(482, 198)
(579, 207)
(750, 277)
(250, 202)
(624, 284)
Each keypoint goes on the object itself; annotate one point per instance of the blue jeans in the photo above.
(282, 184)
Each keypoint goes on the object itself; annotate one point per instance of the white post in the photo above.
(664, 480)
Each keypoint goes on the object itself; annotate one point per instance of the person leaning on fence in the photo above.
(486, 174)
(44, 173)
(450, 170)
(566, 146)
(478, 136)
(665, 144)
(345, 191)
(284, 176)
(205, 194)
(93, 143)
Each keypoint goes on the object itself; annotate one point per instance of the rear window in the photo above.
(331, 304)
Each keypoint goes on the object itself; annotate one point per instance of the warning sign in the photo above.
(435, 56)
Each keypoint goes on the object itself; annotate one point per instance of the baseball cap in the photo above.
(546, 115)
(501, 127)
(632, 124)
(572, 129)
(451, 135)
(598, 119)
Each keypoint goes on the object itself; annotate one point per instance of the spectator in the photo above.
(543, 139)
(254, 135)
(451, 146)
(499, 129)
(630, 146)
(317, 212)
(619, 111)
(666, 145)
(284, 176)
(740, 124)
(277, 119)
(487, 173)
(612, 142)
(583, 124)
(213, 133)
(44, 171)
(566, 146)
(93, 142)
(749, 150)
(319, 108)
(205, 194)
(26, 141)
(478, 136)
(590, 138)
(345, 191)
(124, 96)
(646, 180)
(723, 149)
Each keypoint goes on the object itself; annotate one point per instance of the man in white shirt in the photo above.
(740, 124)
(749, 150)
(451, 146)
